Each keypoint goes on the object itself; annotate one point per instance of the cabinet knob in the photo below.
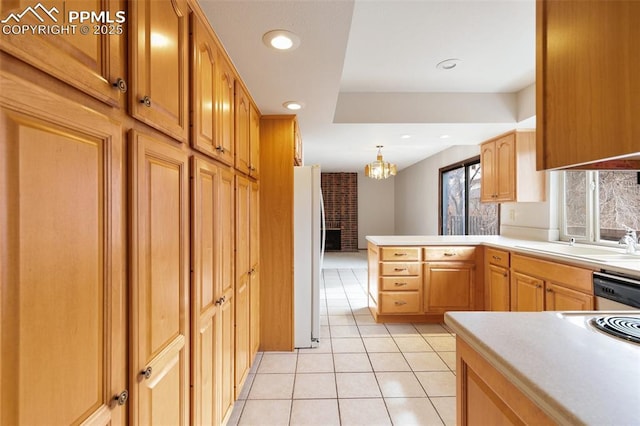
(220, 149)
(505, 275)
(400, 284)
(399, 269)
(399, 254)
(121, 85)
(449, 254)
(497, 258)
(549, 290)
(122, 397)
(146, 101)
(538, 285)
(146, 373)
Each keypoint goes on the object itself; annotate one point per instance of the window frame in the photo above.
(460, 164)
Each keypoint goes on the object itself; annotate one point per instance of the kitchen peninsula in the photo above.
(543, 368)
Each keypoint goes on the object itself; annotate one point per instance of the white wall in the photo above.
(375, 208)
(416, 206)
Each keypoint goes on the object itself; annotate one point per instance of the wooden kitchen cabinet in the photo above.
(159, 280)
(254, 279)
(93, 63)
(254, 142)
(497, 279)
(538, 285)
(243, 280)
(242, 130)
(159, 34)
(225, 145)
(63, 323)
(277, 144)
(509, 169)
(586, 81)
(449, 279)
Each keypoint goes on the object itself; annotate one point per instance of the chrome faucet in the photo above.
(630, 239)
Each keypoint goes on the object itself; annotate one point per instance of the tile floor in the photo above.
(362, 373)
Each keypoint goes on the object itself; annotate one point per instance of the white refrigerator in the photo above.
(308, 245)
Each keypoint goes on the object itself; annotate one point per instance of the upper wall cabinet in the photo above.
(509, 169)
(247, 133)
(92, 62)
(587, 81)
(254, 142)
(159, 33)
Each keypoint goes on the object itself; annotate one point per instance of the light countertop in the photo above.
(552, 250)
(576, 374)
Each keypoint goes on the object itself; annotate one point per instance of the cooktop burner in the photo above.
(627, 328)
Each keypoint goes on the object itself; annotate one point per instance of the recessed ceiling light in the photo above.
(448, 64)
(293, 105)
(444, 136)
(405, 136)
(281, 40)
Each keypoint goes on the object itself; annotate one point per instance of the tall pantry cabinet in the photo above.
(128, 257)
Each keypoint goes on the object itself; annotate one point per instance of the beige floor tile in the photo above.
(413, 344)
(324, 320)
(432, 330)
(359, 303)
(357, 385)
(365, 412)
(442, 343)
(344, 331)
(314, 386)
(320, 412)
(351, 363)
(347, 345)
(446, 407)
(342, 319)
(315, 363)
(399, 384)
(375, 330)
(335, 311)
(272, 386)
(380, 344)
(425, 361)
(265, 412)
(402, 330)
(278, 363)
(363, 317)
(324, 347)
(383, 361)
(325, 332)
(438, 383)
(449, 358)
(412, 411)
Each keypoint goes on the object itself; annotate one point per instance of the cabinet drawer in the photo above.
(449, 253)
(400, 269)
(396, 302)
(401, 283)
(400, 253)
(497, 257)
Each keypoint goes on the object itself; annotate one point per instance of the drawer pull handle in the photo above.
(449, 254)
(400, 284)
(497, 258)
(399, 269)
(400, 302)
(399, 254)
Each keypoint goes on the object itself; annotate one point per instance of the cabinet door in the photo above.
(226, 290)
(254, 287)
(204, 94)
(489, 172)
(62, 284)
(527, 293)
(243, 273)
(506, 173)
(159, 65)
(242, 130)
(159, 282)
(92, 62)
(498, 283)
(226, 113)
(206, 339)
(448, 286)
(254, 142)
(559, 298)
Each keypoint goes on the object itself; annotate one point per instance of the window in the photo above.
(599, 206)
(461, 212)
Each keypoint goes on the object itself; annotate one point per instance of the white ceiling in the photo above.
(366, 72)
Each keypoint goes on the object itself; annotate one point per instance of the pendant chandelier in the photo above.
(379, 169)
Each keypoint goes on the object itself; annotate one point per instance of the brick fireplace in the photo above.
(340, 193)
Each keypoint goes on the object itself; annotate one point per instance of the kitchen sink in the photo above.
(613, 257)
(582, 252)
